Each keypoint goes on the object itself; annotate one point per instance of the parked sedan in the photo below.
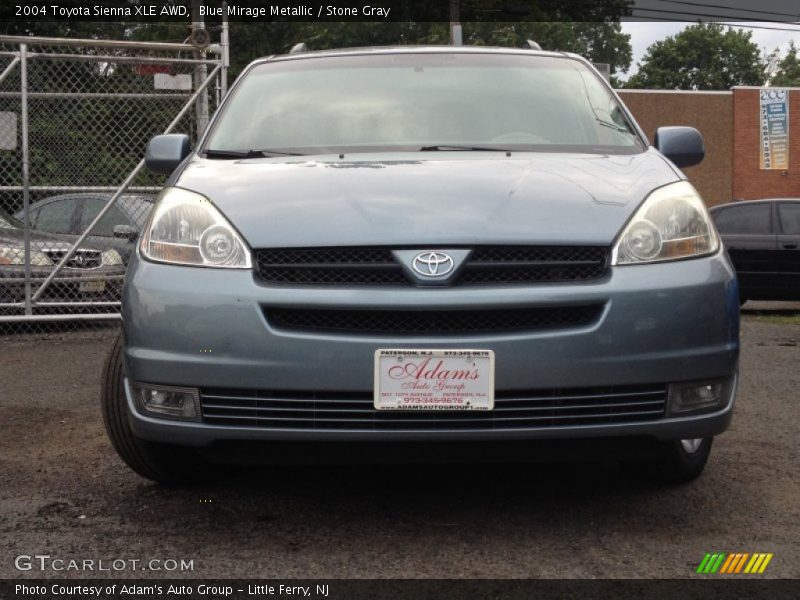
(72, 214)
(762, 238)
(92, 274)
(443, 251)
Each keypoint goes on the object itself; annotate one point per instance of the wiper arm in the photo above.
(446, 147)
(614, 126)
(210, 153)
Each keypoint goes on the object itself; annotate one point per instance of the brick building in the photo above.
(730, 122)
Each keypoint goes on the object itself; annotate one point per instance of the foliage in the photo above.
(701, 57)
(787, 72)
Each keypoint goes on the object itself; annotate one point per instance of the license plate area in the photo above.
(92, 287)
(434, 380)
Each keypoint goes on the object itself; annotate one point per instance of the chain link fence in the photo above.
(75, 118)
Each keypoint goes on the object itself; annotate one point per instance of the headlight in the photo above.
(111, 257)
(16, 256)
(186, 229)
(672, 223)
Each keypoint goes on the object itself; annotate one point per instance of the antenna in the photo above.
(298, 48)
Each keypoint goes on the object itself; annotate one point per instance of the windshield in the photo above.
(434, 101)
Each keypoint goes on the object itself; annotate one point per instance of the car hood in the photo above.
(437, 198)
(41, 240)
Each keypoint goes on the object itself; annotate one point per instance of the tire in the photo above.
(674, 464)
(162, 463)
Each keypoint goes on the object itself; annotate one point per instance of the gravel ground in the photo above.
(64, 493)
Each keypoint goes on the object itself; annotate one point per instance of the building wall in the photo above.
(750, 182)
(712, 114)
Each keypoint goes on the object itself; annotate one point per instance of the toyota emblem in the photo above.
(433, 264)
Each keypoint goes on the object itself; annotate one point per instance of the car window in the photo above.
(56, 216)
(114, 216)
(755, 219)
(137, 208)
(790, 218)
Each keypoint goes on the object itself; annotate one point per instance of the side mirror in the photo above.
(682, 145)
(165, 152)
(128, 232)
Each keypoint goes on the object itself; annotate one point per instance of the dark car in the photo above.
(72, 214)
(763, 240)
(92, 274)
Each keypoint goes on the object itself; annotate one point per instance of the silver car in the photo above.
(424, 253)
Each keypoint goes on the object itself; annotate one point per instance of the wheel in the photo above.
(679, 461)
(163, 463)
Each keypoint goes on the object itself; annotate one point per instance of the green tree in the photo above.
(787, 72)
(701, 57)
(601, 42)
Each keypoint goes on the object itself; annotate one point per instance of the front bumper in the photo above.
(205, 328)
(69, 285)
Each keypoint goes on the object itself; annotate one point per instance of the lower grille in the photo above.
(412, 322)
(516, 409)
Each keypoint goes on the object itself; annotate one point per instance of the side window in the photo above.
(790, 218)
(753, 220)
(114, 216)
(57, 216)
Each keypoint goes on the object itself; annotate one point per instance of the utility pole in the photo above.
(456, 36)
(200, 74)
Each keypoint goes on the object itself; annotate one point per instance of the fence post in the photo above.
(26, 183)
(200, 74)
(224, 42)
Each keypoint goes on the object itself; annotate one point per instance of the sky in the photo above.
(645, 33)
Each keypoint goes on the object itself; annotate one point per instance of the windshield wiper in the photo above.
(614, 126)
(445, 147)
(209, 153)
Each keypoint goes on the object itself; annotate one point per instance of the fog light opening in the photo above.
(699, 396)
(168, 401)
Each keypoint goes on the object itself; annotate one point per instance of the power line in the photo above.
(686, 14)
(747, 10)
(732, 24)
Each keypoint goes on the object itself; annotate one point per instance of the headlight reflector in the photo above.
(187, 229)
(672, 223)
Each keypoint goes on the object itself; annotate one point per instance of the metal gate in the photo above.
(75, 117)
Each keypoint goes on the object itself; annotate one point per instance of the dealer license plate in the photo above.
(92, 287)
(434, 379)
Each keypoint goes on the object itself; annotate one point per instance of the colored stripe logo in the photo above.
(734, 562)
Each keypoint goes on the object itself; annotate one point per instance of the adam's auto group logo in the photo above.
(734, 563)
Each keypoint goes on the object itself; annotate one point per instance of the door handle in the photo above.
(790, 246)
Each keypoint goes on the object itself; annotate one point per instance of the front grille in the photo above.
(82, 259)
(375, 265)
(516, 409)
(412, 322)
(522, 264)
(325, 266)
